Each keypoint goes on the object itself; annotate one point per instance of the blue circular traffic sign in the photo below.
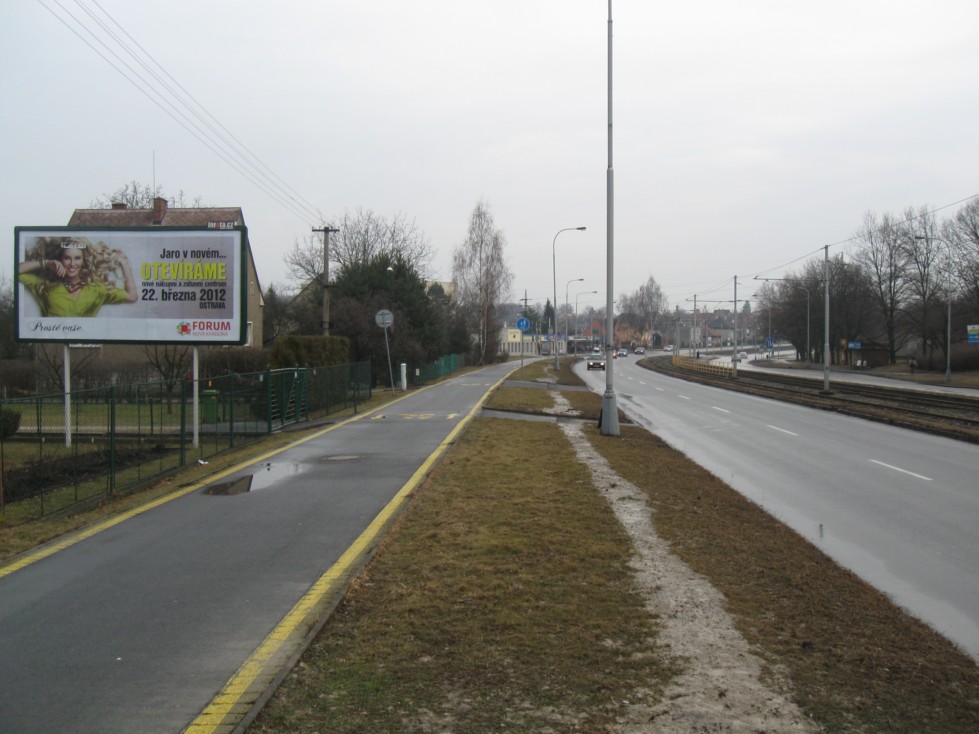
(523, 323)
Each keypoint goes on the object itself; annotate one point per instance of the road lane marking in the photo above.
(723, 410)
(683, 396)
(903, 471)
(661, 389)
(781, 430)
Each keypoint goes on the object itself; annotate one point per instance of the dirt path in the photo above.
(721, 689)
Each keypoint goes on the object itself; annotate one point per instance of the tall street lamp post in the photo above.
(609, 417)
(567, 333)
(554, 271)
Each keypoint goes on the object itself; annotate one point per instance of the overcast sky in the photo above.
(747, 135)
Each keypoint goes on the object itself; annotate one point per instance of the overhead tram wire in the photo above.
(857, 237)
(267, 186)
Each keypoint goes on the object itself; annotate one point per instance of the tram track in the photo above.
(954, 416)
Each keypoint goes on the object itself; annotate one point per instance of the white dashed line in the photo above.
(903, 471)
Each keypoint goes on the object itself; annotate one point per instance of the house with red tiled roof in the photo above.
(162, 215)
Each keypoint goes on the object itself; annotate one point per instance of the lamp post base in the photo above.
(608, 422)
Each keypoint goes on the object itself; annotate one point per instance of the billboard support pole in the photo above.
(196, 401)
(67, 365)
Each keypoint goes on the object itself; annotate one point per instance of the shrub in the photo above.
(309, 351)
(9, 422)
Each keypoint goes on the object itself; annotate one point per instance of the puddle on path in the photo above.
(266, 475)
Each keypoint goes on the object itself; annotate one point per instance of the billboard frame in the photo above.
(238, 282)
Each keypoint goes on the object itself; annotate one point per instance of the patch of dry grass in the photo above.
(501, 601)
(521, 399)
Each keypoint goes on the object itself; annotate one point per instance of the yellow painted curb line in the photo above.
(247, 686)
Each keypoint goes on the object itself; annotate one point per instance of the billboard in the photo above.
(160, 285)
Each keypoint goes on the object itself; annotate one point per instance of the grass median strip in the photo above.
(501, 600)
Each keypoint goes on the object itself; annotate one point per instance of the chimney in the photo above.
(159, 209)
(118, 205)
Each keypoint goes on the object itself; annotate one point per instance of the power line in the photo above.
(247, 164)
(308, 206)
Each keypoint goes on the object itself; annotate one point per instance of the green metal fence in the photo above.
(97, 443)
(433, 371)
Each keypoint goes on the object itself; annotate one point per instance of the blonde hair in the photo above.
(99, 262)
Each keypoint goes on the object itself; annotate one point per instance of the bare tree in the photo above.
(361, 237)
(883, 257)
(171, 362)
(482, 276)
(923, 253)
(962, 236)
(140, 196)
(645, 305)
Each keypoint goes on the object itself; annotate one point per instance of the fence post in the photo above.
(183, 423)
(268, 401)
(231, 411)
(112, 440)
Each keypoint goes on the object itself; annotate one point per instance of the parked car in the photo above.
(596, 362)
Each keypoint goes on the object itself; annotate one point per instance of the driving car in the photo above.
(639, 350)
(596, 362)
(622, 353)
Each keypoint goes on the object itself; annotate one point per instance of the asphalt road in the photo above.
(195, 605)
(897, 507)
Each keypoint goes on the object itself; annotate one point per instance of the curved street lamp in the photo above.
(554, 271)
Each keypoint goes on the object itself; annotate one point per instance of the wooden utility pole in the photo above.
(326, 277)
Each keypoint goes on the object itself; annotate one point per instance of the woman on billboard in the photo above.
(71, 276)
